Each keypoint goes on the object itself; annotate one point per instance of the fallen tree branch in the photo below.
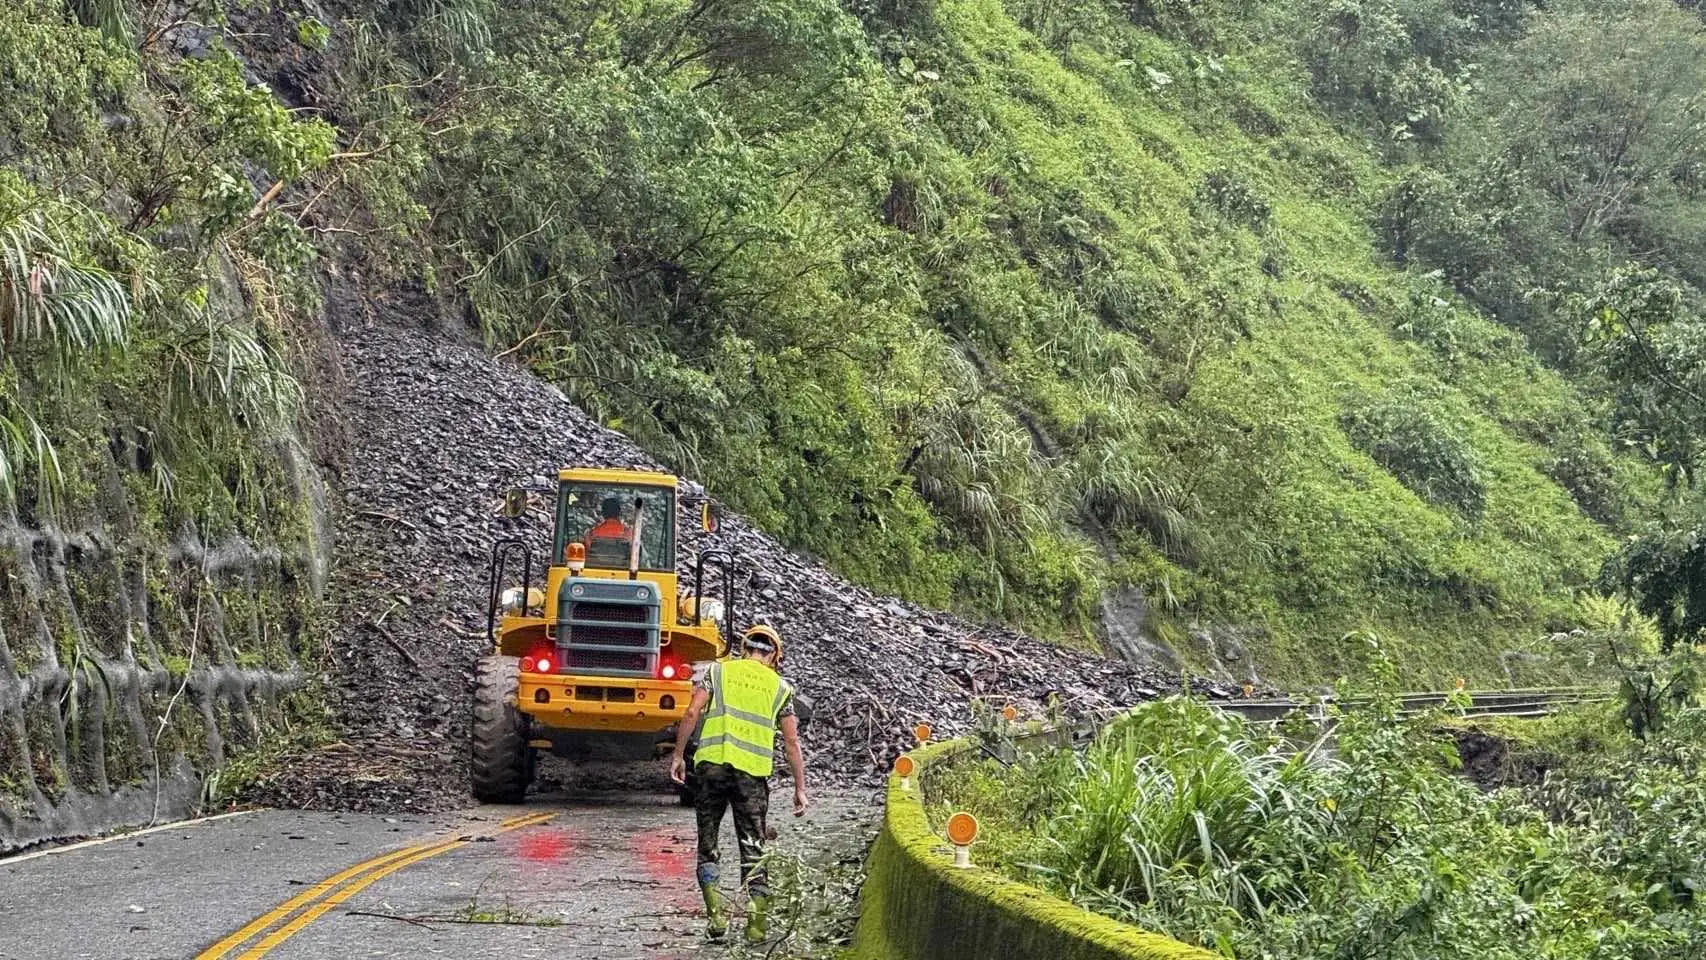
(472, 922)
(524, 341)
(417, 921)
(388, 516)
(267, 198)
(398, 644)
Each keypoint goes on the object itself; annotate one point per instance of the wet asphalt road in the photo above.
(607, 877)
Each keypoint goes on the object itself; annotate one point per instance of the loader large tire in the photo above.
(502, 761)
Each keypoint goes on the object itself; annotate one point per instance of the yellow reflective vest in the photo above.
(740, 722)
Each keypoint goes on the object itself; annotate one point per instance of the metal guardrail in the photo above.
(1524, 703)
(1488, 703)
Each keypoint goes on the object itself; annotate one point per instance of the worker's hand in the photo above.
(678, 769)
(800, 800)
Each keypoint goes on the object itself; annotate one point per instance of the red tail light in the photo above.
(667, 671)
(538, 663)
(670, 668)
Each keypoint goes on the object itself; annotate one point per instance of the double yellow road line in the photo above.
(290, 917)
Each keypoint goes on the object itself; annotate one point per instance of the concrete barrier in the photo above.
(916, 906)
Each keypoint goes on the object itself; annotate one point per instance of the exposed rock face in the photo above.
(130, 668)
(1492, 763)
(1224, 651)
(1124, 622)
(437, 431)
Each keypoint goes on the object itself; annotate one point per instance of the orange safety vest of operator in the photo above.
(609, 529)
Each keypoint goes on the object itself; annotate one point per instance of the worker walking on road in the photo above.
(743, 702)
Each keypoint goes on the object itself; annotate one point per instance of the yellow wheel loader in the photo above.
(597, 661)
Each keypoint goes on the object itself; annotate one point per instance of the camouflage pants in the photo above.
(720, 788)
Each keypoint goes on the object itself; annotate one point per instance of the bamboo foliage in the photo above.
(49, 293)
(55, 305)
(23, 442)
(220, 364)
(111, 17)
(209, 376)
(455, 28)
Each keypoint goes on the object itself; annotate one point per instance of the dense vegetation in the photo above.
(150, 300)
(144, 293)
(1252, 843)
(1315, 318)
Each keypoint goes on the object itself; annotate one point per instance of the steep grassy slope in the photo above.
(998, 323)
(996, 307)
(1234, 269)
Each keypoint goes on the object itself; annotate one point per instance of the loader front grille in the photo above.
(609, 627)
(611, 636)
(592, 661)
(610, 612)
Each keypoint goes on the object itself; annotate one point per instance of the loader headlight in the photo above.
(642, 594)
(513, 598)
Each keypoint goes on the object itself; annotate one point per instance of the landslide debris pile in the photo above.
(437, 431)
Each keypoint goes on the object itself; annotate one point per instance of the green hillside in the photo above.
(993, 306)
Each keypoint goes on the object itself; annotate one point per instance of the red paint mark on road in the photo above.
(666, 855)
(670, 860)
(550, 845)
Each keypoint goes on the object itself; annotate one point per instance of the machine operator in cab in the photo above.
(611, 527)
(608, 541)
(744, 702)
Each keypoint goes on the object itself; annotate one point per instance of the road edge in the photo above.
(122, 833)
(916, 906)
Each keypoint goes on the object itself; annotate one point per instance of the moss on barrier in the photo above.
(917, 906)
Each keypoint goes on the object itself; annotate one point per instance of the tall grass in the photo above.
(975, 463)
(1262, 844)
(1179, 791)
(111, 17)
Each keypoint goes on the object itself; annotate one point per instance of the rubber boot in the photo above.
(757, 920)
(716, 913)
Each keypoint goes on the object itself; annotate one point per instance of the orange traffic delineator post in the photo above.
(922, 732)
(903, 768)
(962, 833)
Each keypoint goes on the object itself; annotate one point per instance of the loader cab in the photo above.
(621, 528)
(614, 601)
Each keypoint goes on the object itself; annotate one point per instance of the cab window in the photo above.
(604, 517)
